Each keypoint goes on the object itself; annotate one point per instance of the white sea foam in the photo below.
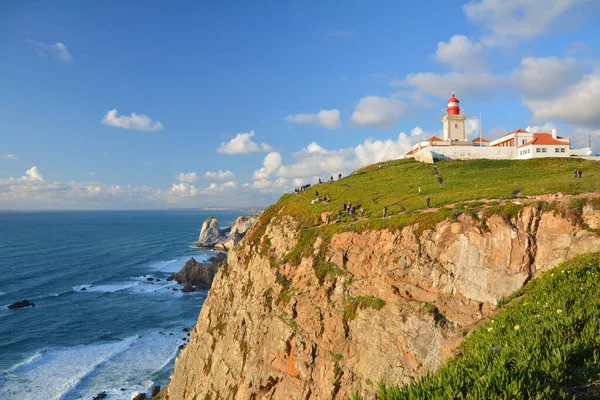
(105, 288)
(84, 371)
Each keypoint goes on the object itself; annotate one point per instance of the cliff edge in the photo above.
(307, 310)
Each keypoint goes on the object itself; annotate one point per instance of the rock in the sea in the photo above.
(210, 234)
(186, 329)
(198, 274)
(21, 304)
(83, 289)
(238, 231)
(150, 279)
(100, 396)
(155, 390)
(188, 287)
(140, 396)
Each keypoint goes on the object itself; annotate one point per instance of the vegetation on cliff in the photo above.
(395, 185)
(543, 343)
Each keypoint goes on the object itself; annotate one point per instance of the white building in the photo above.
(519, 144)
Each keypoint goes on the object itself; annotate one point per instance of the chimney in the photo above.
(554, 133)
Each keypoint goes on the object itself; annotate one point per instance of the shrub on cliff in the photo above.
(544, 342)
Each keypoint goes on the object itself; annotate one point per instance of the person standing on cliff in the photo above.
(362, 212)
(575, 174)
(428, 200)
(384, 212)
(420, 190)
(339, 177)
(580, 173)
(331, 177)
(320, 181)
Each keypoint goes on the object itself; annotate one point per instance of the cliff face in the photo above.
(360, 307)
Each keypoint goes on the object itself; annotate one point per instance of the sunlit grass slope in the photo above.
(395, 185)
(543, 343)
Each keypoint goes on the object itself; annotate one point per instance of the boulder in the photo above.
(198, 274)
(139, 396)
(187, 287)
(210, 234)
(21, 304)
(155, 390)
(100, 396)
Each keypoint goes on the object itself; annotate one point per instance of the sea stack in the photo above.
(210, 234)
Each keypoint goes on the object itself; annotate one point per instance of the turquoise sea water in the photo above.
(123, 331)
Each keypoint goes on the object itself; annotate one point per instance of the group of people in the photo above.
(302, 188)
(351, 210)
(320, 200)
(577, 173)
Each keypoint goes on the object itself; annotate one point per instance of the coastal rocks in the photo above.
(21, 304)
(238, 231)
(363, 307)
(140, 396)
(100, 396)
(224, 239)
(198, 274)
(210, 234)
(155, 391)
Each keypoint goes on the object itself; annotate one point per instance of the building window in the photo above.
(456, 125)
(523, 141)
(562, 150)
(543, 150)
(556, 150)
(538, 150)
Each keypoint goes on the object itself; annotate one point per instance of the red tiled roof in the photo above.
(434, 139)
(483, 140)
(543, 138)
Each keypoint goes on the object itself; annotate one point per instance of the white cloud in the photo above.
(242, 144)
(330, 119)
(58, 50)
(183, 190)
(10, 157)
(543, 76)
(380, 112)
(579, 104)
(271, 163)
(471, 84)
(517, 19)
(187, 177)
(416, 131)
(315, 161)
(278, 185)
(461, 53)
(472, 127)
(34, 173)
(136, 122)
(547, 127)
(220, 175)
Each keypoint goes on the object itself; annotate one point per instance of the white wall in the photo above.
(549, 151)
(472, 153)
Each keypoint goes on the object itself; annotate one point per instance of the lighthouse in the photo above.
(454, 122)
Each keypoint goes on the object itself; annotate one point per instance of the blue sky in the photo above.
(314, 89)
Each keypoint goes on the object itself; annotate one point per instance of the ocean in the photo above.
(119, 335)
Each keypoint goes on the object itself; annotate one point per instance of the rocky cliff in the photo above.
(316, 313)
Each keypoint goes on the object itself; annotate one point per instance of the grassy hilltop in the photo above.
(469, 186)
(396, 184)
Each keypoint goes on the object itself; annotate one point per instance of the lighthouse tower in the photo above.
(454, 122)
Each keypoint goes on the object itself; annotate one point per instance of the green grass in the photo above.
(395, 185)
(543, 343)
